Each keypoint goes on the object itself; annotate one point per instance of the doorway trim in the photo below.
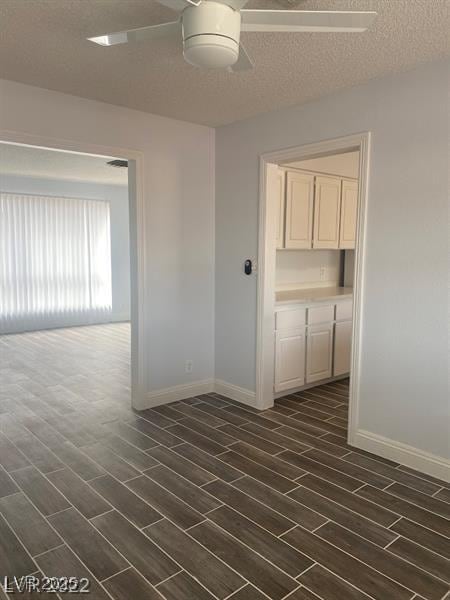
(266, 261)
(137, 240)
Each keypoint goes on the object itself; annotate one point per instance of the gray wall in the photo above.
(117, 196)
(404, 385)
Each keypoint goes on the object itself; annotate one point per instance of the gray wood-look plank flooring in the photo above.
(203, 499)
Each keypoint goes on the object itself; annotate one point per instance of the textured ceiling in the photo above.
(43, 43)
(50, 164)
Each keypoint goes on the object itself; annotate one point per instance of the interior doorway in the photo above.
(69, 286)
(302, 222)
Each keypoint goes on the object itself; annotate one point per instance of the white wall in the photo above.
(117, 196)
(404, 381)
(297, 269)
(178, 190)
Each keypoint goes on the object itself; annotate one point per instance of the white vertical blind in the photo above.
(55, 262)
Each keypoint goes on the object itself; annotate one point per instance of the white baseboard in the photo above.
(177, 392)
(196, 388)
(235, 392)
(120, 317)
(414, 458)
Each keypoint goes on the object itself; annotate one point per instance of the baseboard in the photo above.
(177, 392)
(196, 388)
(414, 458)
(120, 317)
(235, 392)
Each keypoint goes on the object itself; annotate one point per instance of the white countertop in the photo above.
(312, 295)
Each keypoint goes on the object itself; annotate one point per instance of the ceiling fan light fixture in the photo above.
(211, 51)
(211, 34)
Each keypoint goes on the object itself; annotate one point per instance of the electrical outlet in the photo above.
(323, 272)
(189, 366)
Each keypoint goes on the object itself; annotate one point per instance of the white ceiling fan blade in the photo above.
(306, 20)
(179, 5)
(244, 62)
(152, 32)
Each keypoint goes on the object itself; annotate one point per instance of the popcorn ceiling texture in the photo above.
(43, 44)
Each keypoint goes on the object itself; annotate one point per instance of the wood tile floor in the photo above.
(202, 499)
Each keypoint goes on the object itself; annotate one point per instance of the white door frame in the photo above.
(266, 268)
(137, 240)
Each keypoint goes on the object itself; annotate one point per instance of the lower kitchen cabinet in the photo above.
(289, 359)
(319, 352)
(312, 344)
(342, 347)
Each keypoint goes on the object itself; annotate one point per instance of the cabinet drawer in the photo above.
(290, 319)
(320, 314)
(344, 311)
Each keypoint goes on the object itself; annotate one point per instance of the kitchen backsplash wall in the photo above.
(307, 268)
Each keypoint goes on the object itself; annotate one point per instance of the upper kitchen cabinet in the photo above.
(349, 211)
(315, 211)
(279, 209)
(327, 212)
(299, 210)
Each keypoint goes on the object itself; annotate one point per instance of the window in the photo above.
(55, 262)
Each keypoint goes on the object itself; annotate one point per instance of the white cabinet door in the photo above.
(280, 204)
(327, 208)
(349, 211)
(299, 210)
(275, 190)
(289, 359)
(342, 347)
(319, 351)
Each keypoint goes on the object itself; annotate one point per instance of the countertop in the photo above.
(312, 295)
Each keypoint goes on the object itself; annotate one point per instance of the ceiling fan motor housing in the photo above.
(211, 33)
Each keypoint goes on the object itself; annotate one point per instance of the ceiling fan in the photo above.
(211, 29)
